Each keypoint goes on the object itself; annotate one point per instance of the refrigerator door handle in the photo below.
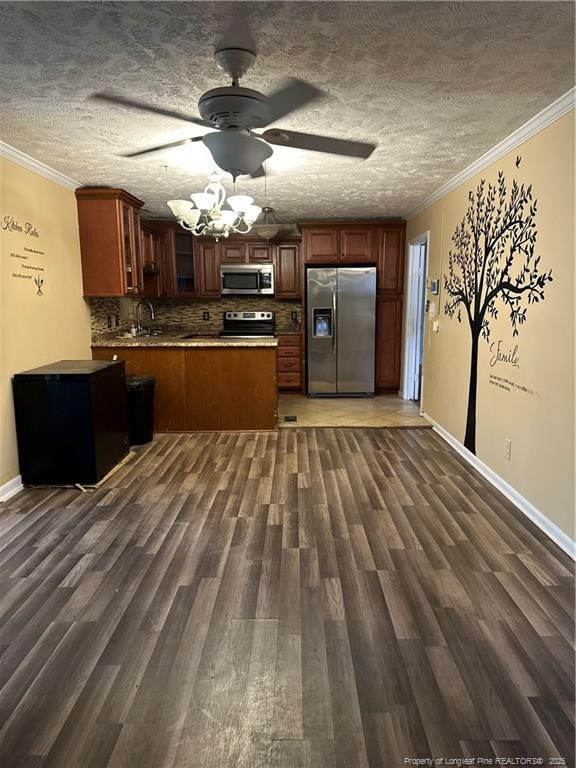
(334, 318)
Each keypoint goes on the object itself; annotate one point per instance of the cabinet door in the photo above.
(388, 341)
(287, 272)
(127, 250)
(320, 245)
(184, 277)
(233, 253)
(356, 245)
(137, 267)
(208, 262)
(259, 253)
(389, 245)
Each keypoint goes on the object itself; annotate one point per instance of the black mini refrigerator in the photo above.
(71, 421)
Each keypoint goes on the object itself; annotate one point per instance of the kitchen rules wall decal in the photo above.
(493, 266)
(25, 265)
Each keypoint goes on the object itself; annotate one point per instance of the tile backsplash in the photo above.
(178, 313)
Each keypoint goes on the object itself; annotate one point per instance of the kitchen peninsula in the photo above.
(203, 384)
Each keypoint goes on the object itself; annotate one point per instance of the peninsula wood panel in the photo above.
(230, 388)
(213, 388)
(319, 598)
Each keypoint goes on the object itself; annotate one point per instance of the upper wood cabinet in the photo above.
(338, 243)
(177, 265)
(110, 242)
(287, 273)
(320, 244)
(356, 245)
(260, 253)
(155, 279)
(208, 269)
(233, 253)
(245, 252)
(389, 249)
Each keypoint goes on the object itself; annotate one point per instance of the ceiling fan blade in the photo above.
(293, 95)
(139, 105)
(163, 146)
(314, 143)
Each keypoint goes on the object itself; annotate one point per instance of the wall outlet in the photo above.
(109, 321)
(205, 315)
(436, 326)
(507, 449)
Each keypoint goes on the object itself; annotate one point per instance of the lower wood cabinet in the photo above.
(388, 342)
(289, 362)
(193, 395)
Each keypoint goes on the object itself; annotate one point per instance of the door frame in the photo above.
(415, 309)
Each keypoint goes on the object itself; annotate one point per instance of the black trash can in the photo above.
(140, 409)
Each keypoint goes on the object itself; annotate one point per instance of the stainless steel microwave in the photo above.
(247, 279)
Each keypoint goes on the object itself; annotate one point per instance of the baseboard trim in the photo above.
(10, 488)
(555, 533)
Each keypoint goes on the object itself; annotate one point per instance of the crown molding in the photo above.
(548, 115)
(11, 153)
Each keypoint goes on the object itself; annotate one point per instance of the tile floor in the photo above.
(379, 411)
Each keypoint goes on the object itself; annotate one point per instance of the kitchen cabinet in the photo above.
(320, 245)
(233, 253)
(245, 252)
(212, 387)
(347, 244)
(287, 272)
(110, 242)
(289, 362)
(154, 268)
(388, 245)
(260, 253)
(388, 342)
(208, 268)
(173, 256)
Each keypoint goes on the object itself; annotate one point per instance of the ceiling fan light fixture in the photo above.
(236, 152)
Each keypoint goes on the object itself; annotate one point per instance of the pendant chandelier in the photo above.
(205, 216)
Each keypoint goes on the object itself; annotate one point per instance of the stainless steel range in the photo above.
(248, 325)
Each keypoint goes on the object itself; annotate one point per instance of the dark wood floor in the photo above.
(319, 598)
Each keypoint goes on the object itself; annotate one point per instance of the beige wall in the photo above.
(540, 425)
(35, 330)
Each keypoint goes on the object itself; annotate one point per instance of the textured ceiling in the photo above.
(435, 85)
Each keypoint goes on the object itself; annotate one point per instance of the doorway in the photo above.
(415, 302)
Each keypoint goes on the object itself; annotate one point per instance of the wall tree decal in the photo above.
(493, 265)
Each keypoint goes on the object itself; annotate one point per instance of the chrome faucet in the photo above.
(139, 329)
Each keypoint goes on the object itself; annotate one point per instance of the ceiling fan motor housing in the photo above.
(234, 107)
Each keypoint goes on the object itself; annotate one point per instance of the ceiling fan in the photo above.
(234, 112)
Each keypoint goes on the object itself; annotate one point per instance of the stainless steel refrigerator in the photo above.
(341, 319)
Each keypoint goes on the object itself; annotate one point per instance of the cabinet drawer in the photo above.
(289, 380)
(289, 340)
(288, 351)
(289, 364)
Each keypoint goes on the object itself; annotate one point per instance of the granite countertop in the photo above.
(178, 341)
